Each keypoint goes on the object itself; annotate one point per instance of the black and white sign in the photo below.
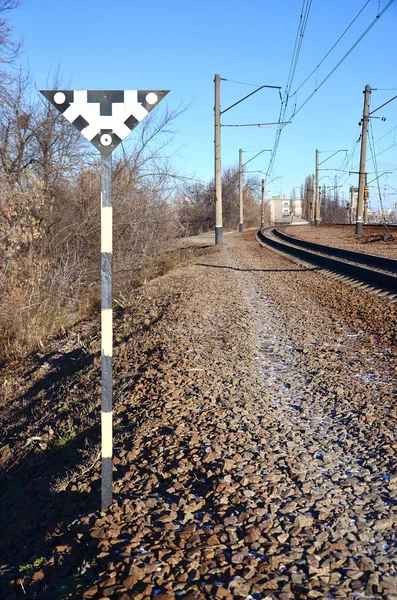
(105, 117)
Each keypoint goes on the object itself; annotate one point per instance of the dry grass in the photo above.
(40, 297)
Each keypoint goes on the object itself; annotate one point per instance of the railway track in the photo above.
(372, 273)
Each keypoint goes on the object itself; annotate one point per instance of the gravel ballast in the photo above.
(373, 240)
(255, 443)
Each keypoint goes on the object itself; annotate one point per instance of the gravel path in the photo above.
(256, 457)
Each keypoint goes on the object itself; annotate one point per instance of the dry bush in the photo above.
(50, 218)
(145, 225)
(42, 288)
(196, 204)
(38, 298)
(50, 253)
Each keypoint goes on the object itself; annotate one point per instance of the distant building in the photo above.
(296, 207)
(280, 207)
(353, 204)
(386, 215)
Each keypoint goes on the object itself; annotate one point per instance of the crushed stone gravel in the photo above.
(255, 456)
(373, 240)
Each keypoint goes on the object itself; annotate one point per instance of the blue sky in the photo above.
(121, 44)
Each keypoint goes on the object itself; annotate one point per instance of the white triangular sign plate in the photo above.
(105, 117)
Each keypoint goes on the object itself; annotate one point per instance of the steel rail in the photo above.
(365, 226)
(379, 262)
(355, 274)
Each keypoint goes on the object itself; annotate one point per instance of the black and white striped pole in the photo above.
(106, 329)
(105, 118)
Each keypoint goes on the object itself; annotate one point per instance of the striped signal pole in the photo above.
(105, 118)
(106, 330)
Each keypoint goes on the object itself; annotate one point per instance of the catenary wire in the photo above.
(296, 110)
(374, 161)
(304, 15)
(332, 48)
(378, 16)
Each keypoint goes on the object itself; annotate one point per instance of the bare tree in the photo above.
(9, 49)
(196, 206)
(16, 131)
(293, 202)
(333, 210)
(60, 150)
(307, 197)
(49, 210)
(196, 202)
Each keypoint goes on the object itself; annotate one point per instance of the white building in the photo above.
(296, 207)
(280, 207)
(353, 204)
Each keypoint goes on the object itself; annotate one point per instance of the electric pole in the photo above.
(311, 201)
(263, 205)
(218, 172)
(317, 197)
(363, 156)
(240, 176)
(351, 212)
(366, 196)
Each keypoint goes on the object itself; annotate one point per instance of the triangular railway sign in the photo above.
(105, 117)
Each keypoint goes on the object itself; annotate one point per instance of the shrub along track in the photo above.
(255, 449)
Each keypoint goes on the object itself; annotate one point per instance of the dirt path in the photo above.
(255, 448)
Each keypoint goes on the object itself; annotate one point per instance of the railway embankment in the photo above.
(374, 240)
(255, 455)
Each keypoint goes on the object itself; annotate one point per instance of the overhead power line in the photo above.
(332, 48)
(349, 157)
(378, 16)
(277, 87)
(382, 105)
(304, 16)
(386, 134)
(240, 82)
(300, 33)
(255, 124)
(371, 145)
(386, 149)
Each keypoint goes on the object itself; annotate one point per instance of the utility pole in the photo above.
(311, 201)
(218, 172)
(363, 156)
(240, 177)
(317, 197)
(351, 215)
(366, 196)
(263, 205)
